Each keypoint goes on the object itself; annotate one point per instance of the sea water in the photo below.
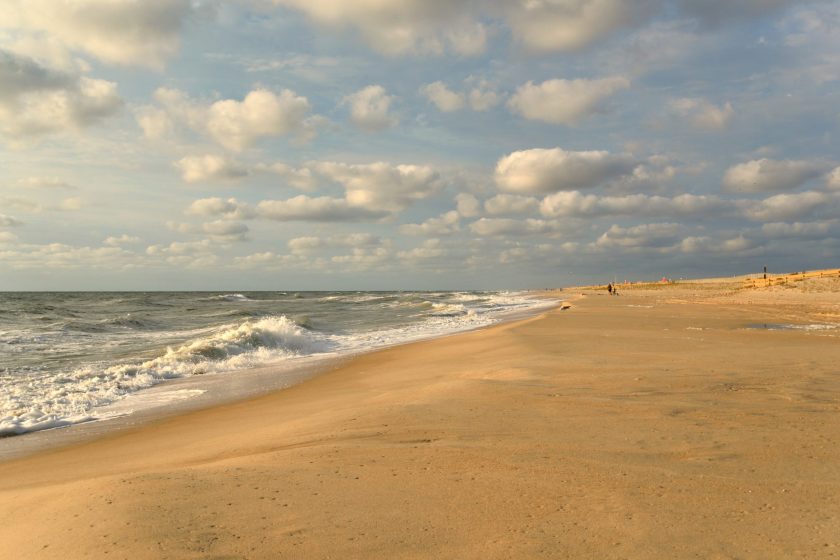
(68, 358)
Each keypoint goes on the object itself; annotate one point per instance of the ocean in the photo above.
(71, 358)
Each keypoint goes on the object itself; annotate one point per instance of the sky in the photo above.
(414, 144)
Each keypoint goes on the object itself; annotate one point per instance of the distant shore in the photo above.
(694, 419)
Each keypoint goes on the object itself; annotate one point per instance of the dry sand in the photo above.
(649, 425)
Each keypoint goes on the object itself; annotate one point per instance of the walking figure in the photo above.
(610, 288)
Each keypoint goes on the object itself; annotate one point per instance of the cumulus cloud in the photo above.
(369, 108)
(64, 256)
(541, 171)
(234, 124)
(706, 244)
(146, 33)
(315, 209)
(155, 122)
(444, 98)
(300, 178)
(305, 245)
(507, 204)
(221, 231)
(364, 258)
(642, 236)
(190, 254)
(224, 230)
(400, 27)
(215, 206)
(36, 100)
(768, 175)
(310, 244)
(480, 97)
(7, 237)
(445, 224)
(786, 206)
(372, 191)
(564, 101)
(702, 114)
(467, 205)
(577, 204)
(801, 230)
(494, 227)
(430, 249)
(124, 239)
(571, 25)
(382, 186)
(209, 167)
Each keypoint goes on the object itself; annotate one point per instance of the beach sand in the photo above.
(654, 424)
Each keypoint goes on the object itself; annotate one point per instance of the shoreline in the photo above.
(217, 389)
(649, 425)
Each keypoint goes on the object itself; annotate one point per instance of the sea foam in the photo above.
(69, 398)
(146, 339)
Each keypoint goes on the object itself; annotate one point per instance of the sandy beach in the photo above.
(673, 421)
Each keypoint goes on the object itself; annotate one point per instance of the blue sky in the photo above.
(404, 144)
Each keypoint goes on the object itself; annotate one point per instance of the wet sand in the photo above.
(649, 425)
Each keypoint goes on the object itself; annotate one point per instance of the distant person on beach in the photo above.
(610, 288)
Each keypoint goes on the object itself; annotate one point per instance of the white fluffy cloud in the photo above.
(801, 230)
(236, 125)
(768, 175)
(706, 244)
(480, 97)
(372, 191)
(64, 256)
(430, 249)
(370, 108)
(382, 186)
(445, 224)
(570, 25)
(640, 236)
(467, 205)
(301, 178)
(121, 31)
(564, 101)
(702, 114)
(315, 209)
(789, 206)
(36, 100)
(541, 171)
(310, 244)
(190, 254)
(209, 167)
(396, 27)
(577, 204)
(494, 227)
(124, 239)
(507, 204)
(444, 98)
(230, 209)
